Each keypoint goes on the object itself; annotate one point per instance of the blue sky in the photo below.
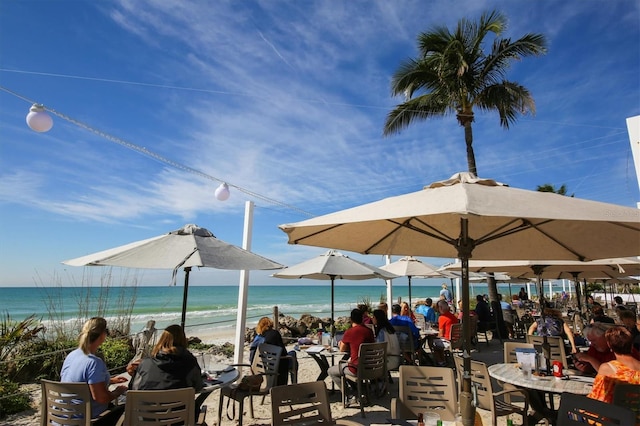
(286, 99)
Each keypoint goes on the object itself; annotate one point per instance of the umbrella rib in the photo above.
(297, 241)
(408, 225)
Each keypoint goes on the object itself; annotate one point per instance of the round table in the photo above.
(511, 373)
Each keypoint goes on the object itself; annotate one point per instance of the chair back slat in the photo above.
(581, 410)
(429, 389)
(160, 407)
(303, 403)
(628, 395)
(510, 350)
(556, 344)
(67, 404)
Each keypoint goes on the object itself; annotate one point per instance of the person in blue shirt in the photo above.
(83, 365)
(427, 310)
(402, 320)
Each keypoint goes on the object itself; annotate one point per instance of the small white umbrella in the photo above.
(333, 265)
(409, 267)
(185, 248)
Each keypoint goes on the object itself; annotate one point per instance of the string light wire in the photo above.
(160, 158)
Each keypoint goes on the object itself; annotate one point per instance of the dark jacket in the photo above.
(168, 371)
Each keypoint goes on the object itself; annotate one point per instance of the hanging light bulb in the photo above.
(222, 192)
(38, 119)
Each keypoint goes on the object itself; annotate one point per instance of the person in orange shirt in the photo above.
(623, 369)
(445, 320)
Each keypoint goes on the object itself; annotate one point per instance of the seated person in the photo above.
(599, 351)
(623, 369)
(170, 366)
(386, 333)
(445, 320)
(507, 315)
(399, 320)
(552, 324)
(265, 333)
(366, 318)
(427, 310)
(628, 319)
(598, 315)
(83, 365)
(356, 335)
(483, 312)
(405, 310)
(619, 303)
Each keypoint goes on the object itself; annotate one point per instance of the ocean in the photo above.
(210, 308)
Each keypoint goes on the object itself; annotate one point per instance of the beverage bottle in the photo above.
(420, 419)
(509, 422)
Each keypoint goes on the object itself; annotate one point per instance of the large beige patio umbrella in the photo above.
(410, 267)
(185, 248)
(466, 217)
(333, 265)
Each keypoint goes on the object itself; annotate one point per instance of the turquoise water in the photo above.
(208, 307)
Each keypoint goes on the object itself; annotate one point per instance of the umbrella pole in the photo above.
(465, 247)
(410, 305)
(184, 296)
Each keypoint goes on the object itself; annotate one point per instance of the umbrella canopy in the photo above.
(333, 265)
(185, 248)
(465, 216)
(409, 267)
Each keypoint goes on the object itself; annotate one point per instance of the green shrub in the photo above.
(12, 400)
(28, 367)
(117, 352)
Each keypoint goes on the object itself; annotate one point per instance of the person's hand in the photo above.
(133, 366)
(119, 390)
(118, 379)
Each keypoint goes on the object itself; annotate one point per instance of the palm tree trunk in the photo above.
(468, 138)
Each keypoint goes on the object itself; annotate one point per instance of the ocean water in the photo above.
(208, 307)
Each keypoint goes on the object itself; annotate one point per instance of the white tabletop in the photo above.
(219, 378)
(511, 373)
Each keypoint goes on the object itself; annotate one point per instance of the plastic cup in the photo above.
(430, 418)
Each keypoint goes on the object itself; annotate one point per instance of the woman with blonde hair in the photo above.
(266, 333)
(170, 366)
(83, 365)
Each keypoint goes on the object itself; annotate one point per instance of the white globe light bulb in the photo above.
(222, 192)
(38, 119)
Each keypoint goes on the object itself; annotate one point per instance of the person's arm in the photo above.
(569, 334)
(586, 363)
(194, 379)
(532, 328)
(100, 393)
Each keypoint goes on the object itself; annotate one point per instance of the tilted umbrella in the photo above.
(185, 248)
(409, 267)
(333, 265)
(465, 216)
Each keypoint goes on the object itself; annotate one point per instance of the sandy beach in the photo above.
(377, 412)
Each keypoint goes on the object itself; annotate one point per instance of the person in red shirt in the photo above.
(351, 341)
(445, 320)
(599, 351)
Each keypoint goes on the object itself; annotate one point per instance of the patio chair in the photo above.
(371, 373)
(159, 407)
(425, 389)
(65, 403)
(407, 345)
(509, 357)
(302, 404)
(581, 410)
(628, 395)
(486, 398)
(556, 344)
(266, 364)
(456, 344)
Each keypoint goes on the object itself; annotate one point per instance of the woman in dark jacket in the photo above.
(171, 365)
(265, 333)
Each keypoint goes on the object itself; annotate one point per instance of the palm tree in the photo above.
(454, 74)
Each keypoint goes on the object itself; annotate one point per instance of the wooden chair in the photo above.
(67, 404)
(302, 404)
(265, 363)
(160, 407)
(456, 343)
(556, 343)
(628, 395)
(486, 398)
(371, 373)
(580, 410)
(425, 389)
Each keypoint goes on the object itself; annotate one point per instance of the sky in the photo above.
(282, 99)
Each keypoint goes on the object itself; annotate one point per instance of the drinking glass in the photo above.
(430, 418)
